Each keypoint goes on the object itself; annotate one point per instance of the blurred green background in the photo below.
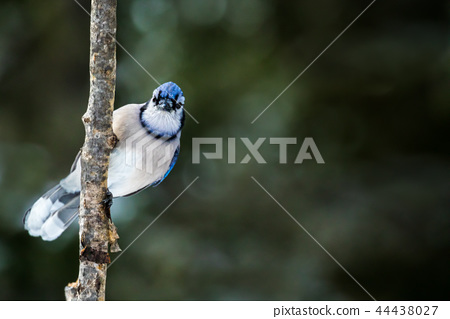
(377, 104)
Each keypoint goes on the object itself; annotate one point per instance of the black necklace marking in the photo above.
(155, 133)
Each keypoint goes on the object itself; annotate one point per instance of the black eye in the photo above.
(154, 99)
(178, 105)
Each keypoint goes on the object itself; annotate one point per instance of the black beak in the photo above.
(167, 105)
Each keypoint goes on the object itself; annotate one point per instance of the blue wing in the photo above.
(172, 164)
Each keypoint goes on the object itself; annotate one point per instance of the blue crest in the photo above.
(169, 90)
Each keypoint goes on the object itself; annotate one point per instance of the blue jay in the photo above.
(147, 149)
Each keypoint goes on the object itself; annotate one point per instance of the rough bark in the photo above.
(96, 229)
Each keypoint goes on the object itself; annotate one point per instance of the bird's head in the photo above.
(164, 112)
(168, 97)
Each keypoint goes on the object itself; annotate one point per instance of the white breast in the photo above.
(139, 161)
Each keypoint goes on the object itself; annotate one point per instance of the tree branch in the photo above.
(95, 221)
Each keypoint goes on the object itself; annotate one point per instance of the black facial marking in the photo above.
(175, 105)
(143, 108)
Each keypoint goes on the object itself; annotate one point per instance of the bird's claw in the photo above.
(108, 201)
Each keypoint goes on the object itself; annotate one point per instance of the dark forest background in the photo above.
(377, 104)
